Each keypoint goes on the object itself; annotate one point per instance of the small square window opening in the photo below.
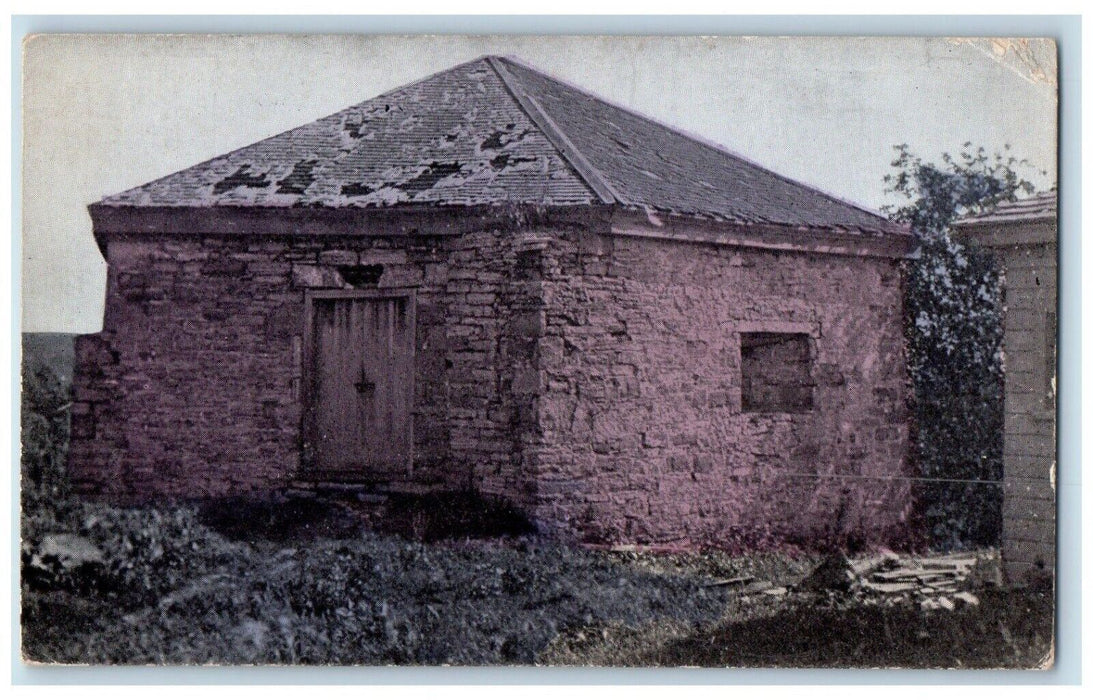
(776, 372)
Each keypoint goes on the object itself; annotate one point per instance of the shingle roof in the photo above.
(495, 131)
(1039, 207)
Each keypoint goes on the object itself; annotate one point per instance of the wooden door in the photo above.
(358, 416)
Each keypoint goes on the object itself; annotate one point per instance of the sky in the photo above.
(104, 113)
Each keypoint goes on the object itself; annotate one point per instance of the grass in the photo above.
(175, 591)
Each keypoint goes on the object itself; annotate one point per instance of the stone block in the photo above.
(339, 257)
(315, 277)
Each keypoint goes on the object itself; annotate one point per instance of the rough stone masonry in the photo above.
(594, 380)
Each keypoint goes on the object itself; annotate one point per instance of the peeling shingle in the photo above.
(504, 160)
(241, 178)
(299, 179)
(433, 173)
(356, 189)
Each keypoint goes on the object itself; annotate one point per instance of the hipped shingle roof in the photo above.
(495, 131)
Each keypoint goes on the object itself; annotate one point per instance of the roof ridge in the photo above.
(305, 125)
(550, 129)
(696, 138)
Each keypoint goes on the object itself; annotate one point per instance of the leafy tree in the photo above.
(953, 324)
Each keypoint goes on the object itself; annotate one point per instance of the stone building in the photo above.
(1023, 237)
(492, 280)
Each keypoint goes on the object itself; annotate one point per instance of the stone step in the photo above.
(368, 492)
(363, 492)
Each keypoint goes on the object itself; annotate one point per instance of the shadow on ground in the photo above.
(435, 517)
(278, 519)
(1011, 629)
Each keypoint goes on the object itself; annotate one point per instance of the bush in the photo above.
(954, 331)
(953, 326)
(151, 552)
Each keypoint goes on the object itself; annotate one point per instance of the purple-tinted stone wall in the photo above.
(593, 380)
(192, 389)
(643, 434)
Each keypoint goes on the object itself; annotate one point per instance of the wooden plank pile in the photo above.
(942, 582)
(925, 575)
(932, 583)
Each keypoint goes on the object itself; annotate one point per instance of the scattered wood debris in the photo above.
(926, 575)
(737, 581)
(930, 582)
(758, 587)
(967, 598)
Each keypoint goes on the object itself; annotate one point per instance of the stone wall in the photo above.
(1028, 505)
(491, 337)
(193, 387)
(643, 436)
(593, 380)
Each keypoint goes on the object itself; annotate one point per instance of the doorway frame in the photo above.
(308, 470)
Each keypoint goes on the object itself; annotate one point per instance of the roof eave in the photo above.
(1034, 230)
(432, 220)
(1048, 217)
(394, 221)
(898, 242)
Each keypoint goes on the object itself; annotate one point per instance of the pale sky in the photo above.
(105, 113)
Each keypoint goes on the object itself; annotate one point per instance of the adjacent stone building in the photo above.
(1023, 236)
(492, 280)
